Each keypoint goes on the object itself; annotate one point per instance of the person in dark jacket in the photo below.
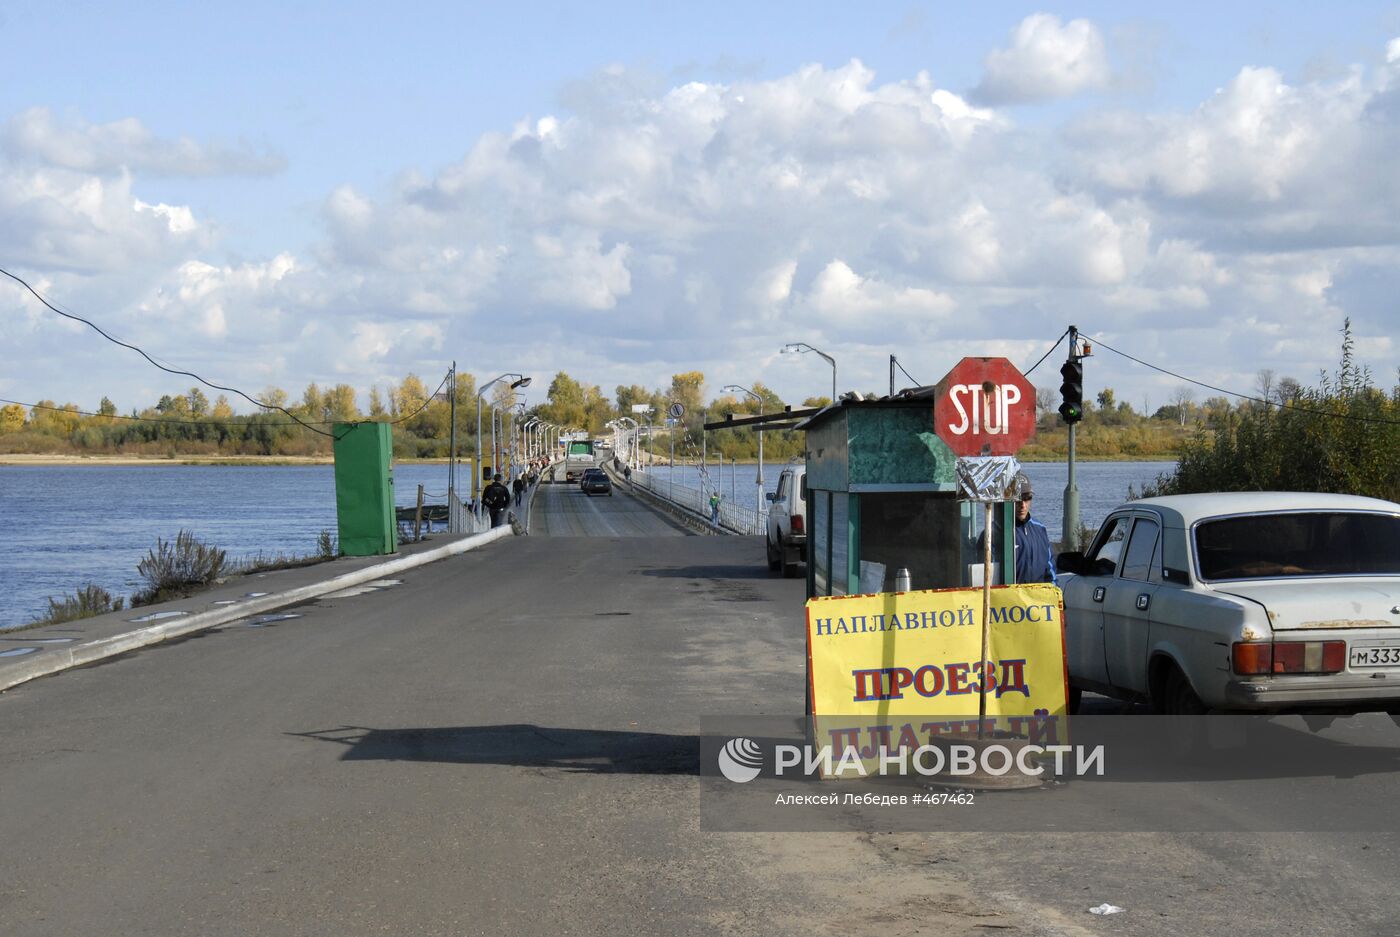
(518, 486)
(1035, 560)
(496, 499)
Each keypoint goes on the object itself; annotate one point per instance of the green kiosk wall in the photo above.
(364, 488)
(882, 489)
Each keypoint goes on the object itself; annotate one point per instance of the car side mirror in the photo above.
(1071, 562)
(771, 495)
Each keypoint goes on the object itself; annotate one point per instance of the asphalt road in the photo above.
(563, 510)
(505, 742)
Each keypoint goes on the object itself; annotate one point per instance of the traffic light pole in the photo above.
(1070, 524)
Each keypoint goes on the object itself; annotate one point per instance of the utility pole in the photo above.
(1072, 410)
(891, 375)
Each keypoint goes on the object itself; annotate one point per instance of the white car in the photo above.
(1239, 601)
(787, 521)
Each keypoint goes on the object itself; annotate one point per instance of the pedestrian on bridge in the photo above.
(715, 499)
(496, 499)
(518, 486)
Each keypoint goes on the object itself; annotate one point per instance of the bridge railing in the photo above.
(734, 518)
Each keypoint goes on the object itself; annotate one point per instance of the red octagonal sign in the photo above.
(984, 406)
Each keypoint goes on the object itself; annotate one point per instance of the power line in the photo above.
(1221, 390)
(911, 377)
(1047, 354)
(117, 341)
(296, 420)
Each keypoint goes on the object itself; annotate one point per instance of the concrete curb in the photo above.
(60, 659)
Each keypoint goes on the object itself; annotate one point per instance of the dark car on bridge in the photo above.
(596, 481)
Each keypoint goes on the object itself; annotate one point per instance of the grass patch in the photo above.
(87, 602)
(175, 569)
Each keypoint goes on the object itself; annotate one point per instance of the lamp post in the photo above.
(517, 413)
(520, 381)
(801, 348)
(631, 443)
(758, 505)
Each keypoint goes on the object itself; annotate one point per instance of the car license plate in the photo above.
(1375, 655)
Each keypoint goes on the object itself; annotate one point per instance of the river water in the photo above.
(1102, 485)
(66, 526)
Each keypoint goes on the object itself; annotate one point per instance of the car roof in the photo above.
(1185, 510)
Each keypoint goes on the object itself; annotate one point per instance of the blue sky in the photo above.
(355, 143)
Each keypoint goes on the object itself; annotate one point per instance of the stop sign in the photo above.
(984, 406)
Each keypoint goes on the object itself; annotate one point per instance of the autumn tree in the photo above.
(339, 402)
(376, 404)
(688, 390)
(12, 418)
(222, 409)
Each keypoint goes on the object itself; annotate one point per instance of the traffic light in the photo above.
(1072, 390)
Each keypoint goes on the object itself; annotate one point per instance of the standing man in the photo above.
(1035, 561)
(518, 486)
(715, 499)
(496, 498)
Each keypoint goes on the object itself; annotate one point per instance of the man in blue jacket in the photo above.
(1034, 560)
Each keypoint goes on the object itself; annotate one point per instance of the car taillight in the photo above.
(798, 525)
(1254, 658)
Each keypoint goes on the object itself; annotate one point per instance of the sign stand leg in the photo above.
(986, 617)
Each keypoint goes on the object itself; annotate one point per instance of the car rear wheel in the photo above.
(789, 569)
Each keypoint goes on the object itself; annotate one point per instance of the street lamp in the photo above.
(514, 440)
(801, 348)
(520, 381)
(758, 506)
(631, 440)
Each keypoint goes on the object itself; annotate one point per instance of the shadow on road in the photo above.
(579, 750)
(730, 571)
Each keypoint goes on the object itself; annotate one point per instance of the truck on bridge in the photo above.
(578, 455)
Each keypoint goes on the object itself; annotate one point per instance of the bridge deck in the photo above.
(563, 510)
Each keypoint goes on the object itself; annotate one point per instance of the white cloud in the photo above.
(1046, 59)
(56, 218)
(841, 296)
(36, 136)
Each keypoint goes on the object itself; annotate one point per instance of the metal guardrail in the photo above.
(733, 518)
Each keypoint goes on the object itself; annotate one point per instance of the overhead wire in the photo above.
(911, 377)
(1047, 354)
(1270, 403)
(296, 420)
(116, 341)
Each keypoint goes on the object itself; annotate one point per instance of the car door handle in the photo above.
(1099, 593)
(1143, 600)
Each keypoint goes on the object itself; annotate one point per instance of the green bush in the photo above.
(85, 603)
(1342, 436)
(172, 569)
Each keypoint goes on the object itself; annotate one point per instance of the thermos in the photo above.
(901, 580)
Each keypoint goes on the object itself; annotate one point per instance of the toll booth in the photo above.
(364, 488)
(882, 495)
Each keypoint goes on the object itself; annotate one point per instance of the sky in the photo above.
(275, 194)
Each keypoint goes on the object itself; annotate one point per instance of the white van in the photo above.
(787, 521)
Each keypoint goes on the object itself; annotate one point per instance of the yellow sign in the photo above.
(916, 653)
